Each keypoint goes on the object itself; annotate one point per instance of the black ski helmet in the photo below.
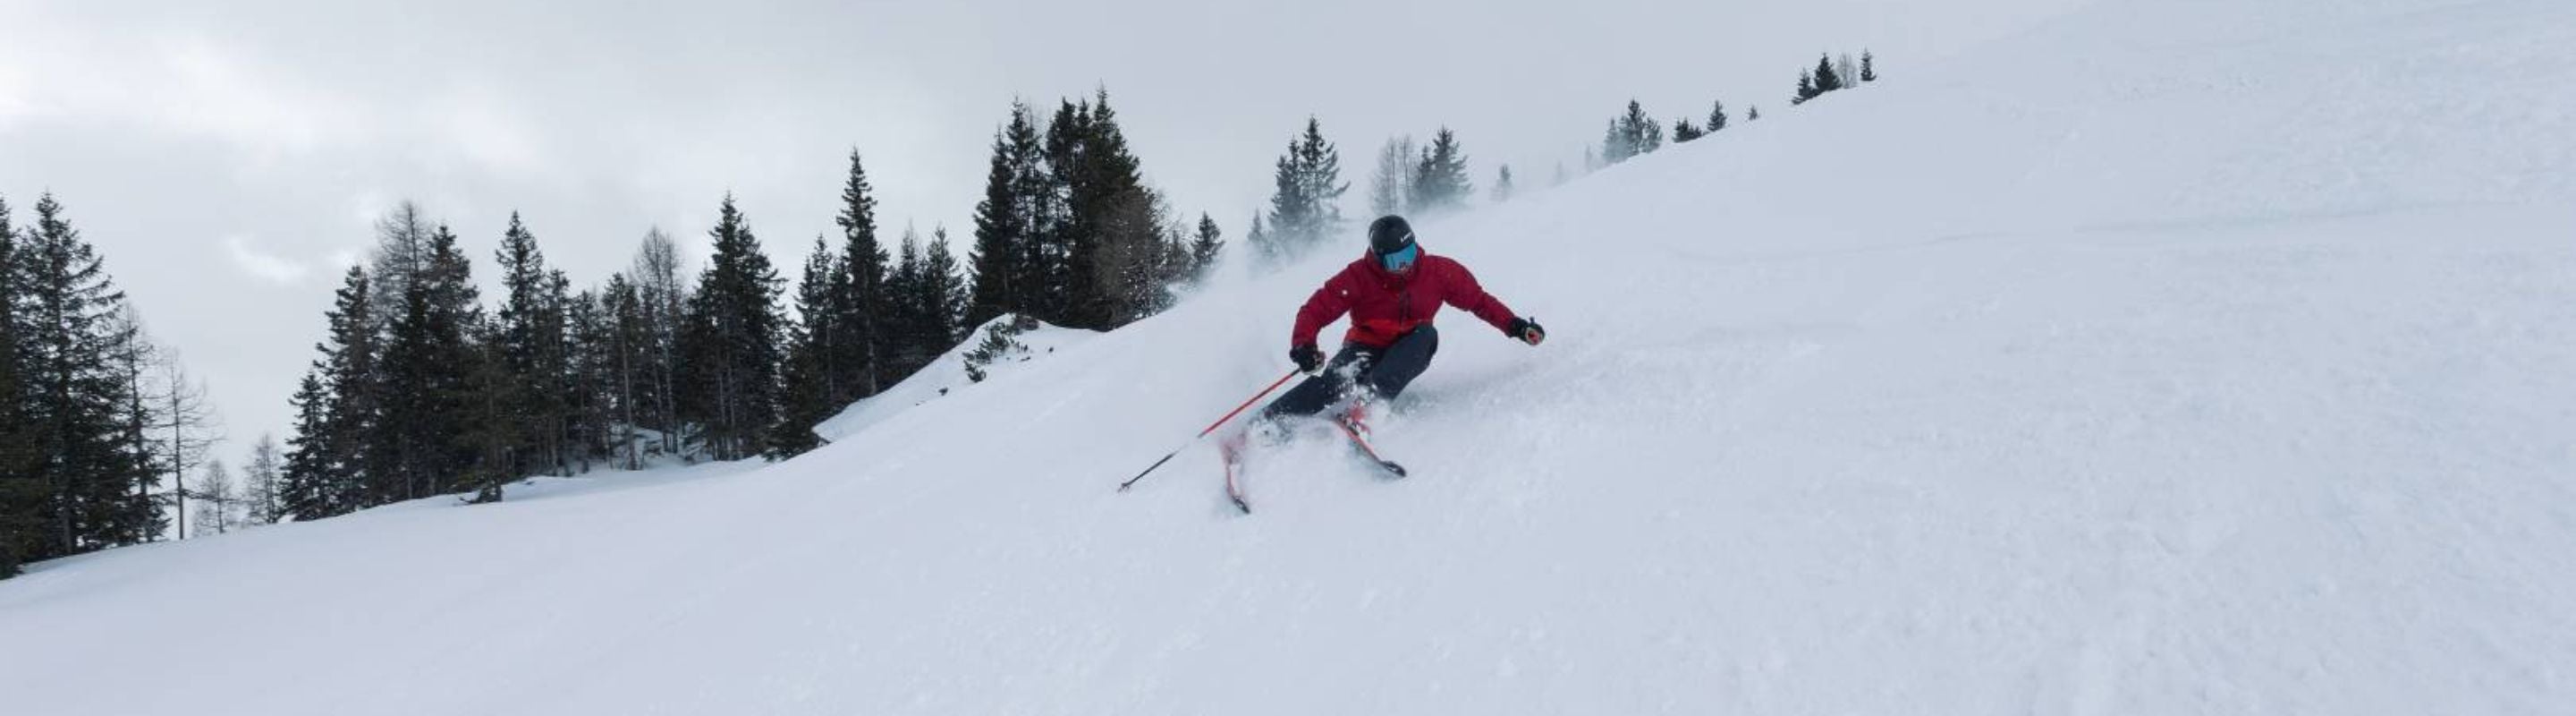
(1389, 234)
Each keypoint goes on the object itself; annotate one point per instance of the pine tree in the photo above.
(730, 344)
(805, 399)
(1868, 67)
(491, 433)
(428, 382)
(1440, 179)
(1684, 131)
(592, 379)
(95, 478)
(852, 340)
(534, 355)
(307, 488)
(943, 290)
(1806, 88)
(1503, 184)
(1618, 143)
(1716, 117)
(1846, 72)
(1114, 237)
(22, 490)
(1305, 201)
(1393, 183)
(337, 445)
(908, 307)
(631, 351)
(1007, 219)
(1204, 248)
(1636, 133)
(1827, 80)
(1753, 114)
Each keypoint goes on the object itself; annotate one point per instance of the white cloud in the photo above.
(273, 269)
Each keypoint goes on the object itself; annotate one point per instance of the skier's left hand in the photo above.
(1528, 331)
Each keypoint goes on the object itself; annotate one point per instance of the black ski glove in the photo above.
(1307, 357)
(1527, 331)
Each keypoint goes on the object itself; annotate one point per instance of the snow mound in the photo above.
(2188, 356)
(1039, 340)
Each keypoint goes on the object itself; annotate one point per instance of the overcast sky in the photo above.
(229, 158)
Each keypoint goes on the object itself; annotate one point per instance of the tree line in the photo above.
(1634, 133)
(93, 416)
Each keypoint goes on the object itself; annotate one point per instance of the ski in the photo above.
(1232, 450)
(1358, 434)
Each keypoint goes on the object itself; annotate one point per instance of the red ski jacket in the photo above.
(1384, 306)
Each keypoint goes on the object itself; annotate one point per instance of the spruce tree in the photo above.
(1114, 237)
(1827, 79)
(428, 381)
(806, 398)
(1503, 184)
(22, 490)
(534, 355)
(1618, 143)
(490, 433)
(1806, 88)
(631, 346)
(1204, 247)
(856, 289)
(1868, 67)
(1305, 200)
(1716, 117)
(593, 379)
(1684, 131)
(95, 476)
(306, 485)
(942, 289)
(730, 344)
(1440, 179)
(908, 308)
(348, 407)
(1005, 221)
(1753, 114)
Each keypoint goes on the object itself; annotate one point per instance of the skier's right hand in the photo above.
(1307, 357)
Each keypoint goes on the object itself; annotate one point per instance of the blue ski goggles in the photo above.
(1400, 260)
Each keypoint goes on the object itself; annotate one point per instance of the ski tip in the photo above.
(1397, 470)
(1246, 507)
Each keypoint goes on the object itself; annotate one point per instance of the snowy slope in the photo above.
(2225, 364)
(947, 374)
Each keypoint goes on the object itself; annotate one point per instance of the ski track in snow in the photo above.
(2229, 367)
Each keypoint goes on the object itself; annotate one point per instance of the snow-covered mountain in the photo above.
(2178, 356)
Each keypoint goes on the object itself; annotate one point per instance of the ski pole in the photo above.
(1194, 439)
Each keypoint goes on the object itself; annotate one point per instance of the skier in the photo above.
(1390, 294)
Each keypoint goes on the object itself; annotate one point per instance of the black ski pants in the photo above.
(1381, 371)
